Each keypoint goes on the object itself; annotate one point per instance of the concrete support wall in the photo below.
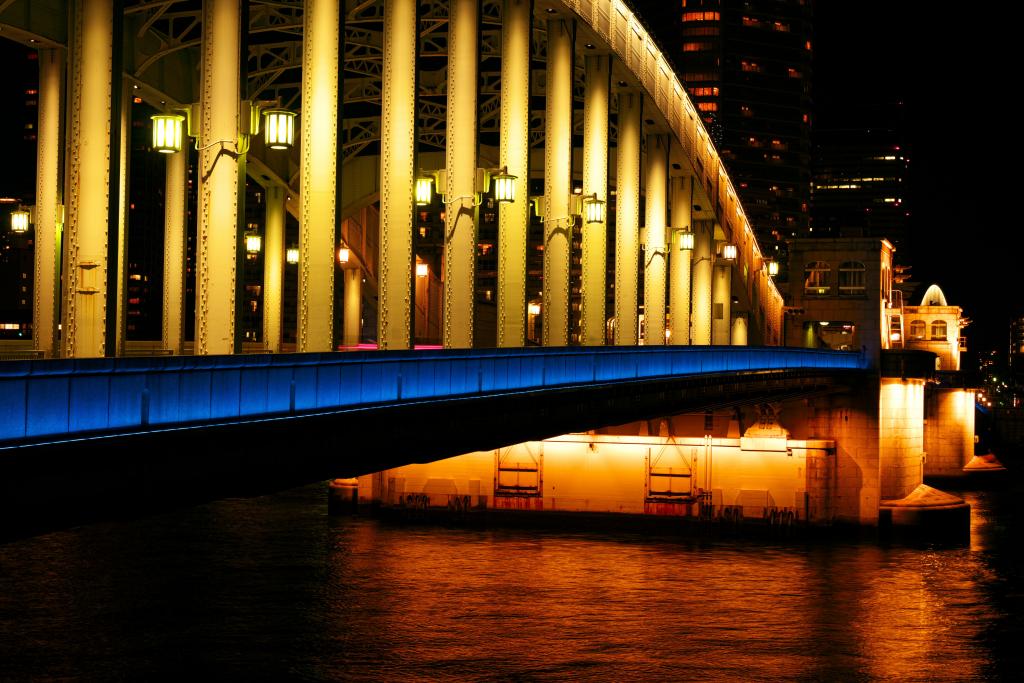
(721, 292)
(88, 182)
(397, 175)
(352, 312)
(318, 244)
(593, 287)
(655, 256)
(273, 269)
(175, 233)
(459, 265)
(627, 219)
(514, 154)
(221, 173)
(949, 434)
(739, 330)
(49, 217)
(557, 182)
(900, 436)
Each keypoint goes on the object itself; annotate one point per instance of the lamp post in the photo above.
(21, 218)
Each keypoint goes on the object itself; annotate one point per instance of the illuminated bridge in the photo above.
(620, 247)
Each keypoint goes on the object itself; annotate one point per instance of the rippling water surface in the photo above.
(274, 588)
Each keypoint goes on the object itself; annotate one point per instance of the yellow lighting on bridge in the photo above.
(686, 241)
(424, 190)
(773, 268)
(279, 128)
(291, 255)
(421, 269)
(343, 255)
(593, 209)
(253, 243)
(167, 132)
(533, 309)
(729, 252)
(19, 221)
(504, 186)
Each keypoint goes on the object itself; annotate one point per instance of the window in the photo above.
(752, 22)
(752, 67)
(697, 47)
(817, 275)
(701, 16)
(705, 91)
(917, 329)
(939, 330)
(707, 106)
(851, 279)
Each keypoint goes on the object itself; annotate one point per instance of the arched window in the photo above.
(939, 330)
(851, 279)
(917, 329)
(817, 278)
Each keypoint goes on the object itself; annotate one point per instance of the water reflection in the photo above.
(273, 586)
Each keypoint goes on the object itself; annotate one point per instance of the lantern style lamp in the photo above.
(729, 252)
(421, 269)
(291, 255)
(533, 308)
(504, 186)
(686, 241)
(424, 190)
(253, 243)
(167, 132)
(279, 128)
(773, 268)
(19, 221)
(343, 255)
(593, 209)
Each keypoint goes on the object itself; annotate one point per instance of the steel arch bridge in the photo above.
(568, 92)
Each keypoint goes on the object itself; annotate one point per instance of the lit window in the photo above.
(752, 67)
(696, 47)
(752, 22)
(701, 16)
(780, 26)
(794, 73)
(851, 279)
(817, 276)
(939, 330)
(707, 106)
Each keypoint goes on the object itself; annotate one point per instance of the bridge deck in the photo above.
(46, 400)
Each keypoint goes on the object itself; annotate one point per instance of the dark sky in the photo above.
(951, 68)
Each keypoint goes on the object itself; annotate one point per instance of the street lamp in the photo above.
(343, 255)
(291, 255)
(253, 243)
(773, 268)
(685, 240)
(421, 269)
(593, 209)
(20, 220)
(728, 252)
(279, 128)
(504, 186)
(167, 132)
(424, 190)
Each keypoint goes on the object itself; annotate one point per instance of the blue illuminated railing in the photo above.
(68, 397)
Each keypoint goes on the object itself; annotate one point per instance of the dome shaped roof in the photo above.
(934, 297)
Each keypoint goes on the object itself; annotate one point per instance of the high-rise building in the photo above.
(860, 175)
(747, 66)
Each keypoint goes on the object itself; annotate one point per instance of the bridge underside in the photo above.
(105, 474)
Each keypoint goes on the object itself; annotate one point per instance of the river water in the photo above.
(273, 588)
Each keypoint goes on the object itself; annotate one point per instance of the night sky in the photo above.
(952, 71)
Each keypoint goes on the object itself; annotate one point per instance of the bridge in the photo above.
(551, 122)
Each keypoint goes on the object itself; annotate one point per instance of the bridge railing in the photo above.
(65, 398)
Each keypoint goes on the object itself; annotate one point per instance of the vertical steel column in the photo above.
(557, 181)
(721, 327)
(460, 162)
(656, 186)
(703, 243)
(88, 179)
(321, 23)
(679, 262)
(397, 174)
(627, 219)
(123, 173)
(594, 287)
(352, 314)
(219, 168)
(175, 231)
(739, 330)
(273, 269)
(49, 221)
(514, 154)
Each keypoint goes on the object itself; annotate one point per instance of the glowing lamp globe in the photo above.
(167, 132)
(593, 209)
(424, 190)
(505, 187)
(19, 221)
(279, 128)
